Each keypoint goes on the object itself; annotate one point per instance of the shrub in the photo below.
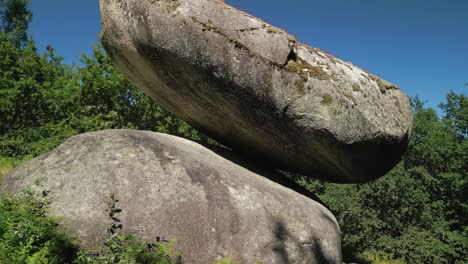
(28, 236)
(123, 249)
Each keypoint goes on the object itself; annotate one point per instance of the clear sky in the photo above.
(420, 45)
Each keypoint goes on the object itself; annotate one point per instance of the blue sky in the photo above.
(420, 45)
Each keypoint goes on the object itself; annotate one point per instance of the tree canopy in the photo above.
(415, 214)
(15, 17)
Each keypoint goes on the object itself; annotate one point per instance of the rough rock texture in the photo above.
(257, 90)
(174, 188)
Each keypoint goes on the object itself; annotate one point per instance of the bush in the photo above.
(417, 212)
(129, 250)
(28, 236)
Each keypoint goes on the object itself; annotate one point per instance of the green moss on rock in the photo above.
(356, 87)
(300, 85)
(384, 85)
(327, 99)
(305, 70)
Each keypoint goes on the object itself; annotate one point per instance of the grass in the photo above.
(8, 164)
(4, 170)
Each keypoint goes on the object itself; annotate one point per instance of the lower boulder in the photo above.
(154, 185)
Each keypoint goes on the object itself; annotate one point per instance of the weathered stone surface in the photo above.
(257, 90)
(174, 188)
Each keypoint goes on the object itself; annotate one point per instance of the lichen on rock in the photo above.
(231, 75)
(211, 201)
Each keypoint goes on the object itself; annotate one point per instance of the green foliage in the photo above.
(129, 250)
(7, 164)
(43, 101)
(15, 17)
(28, 236)
(230, 261)
(109, 101)
(226, 261)
(456, 113)
(35, 99)
(368, 258)
(417, 212)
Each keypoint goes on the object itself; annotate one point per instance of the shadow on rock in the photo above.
(286, 240)
(262, 167)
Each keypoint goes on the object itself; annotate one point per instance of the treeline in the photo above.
(415, 214)
(44, 101)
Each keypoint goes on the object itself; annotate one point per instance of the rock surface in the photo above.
(174, 188)
(257, 90)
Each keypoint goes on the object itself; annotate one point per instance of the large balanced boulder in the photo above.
(257, 90)
(156, 185)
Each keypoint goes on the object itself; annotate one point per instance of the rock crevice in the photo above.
(213, 202)
(238, 79)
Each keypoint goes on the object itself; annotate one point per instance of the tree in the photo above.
(15, 19)
(36, 96)
(44, 101)
(108, 100)
(417, 212)
(456, 113)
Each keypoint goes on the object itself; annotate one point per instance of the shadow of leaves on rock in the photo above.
(306, 250)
